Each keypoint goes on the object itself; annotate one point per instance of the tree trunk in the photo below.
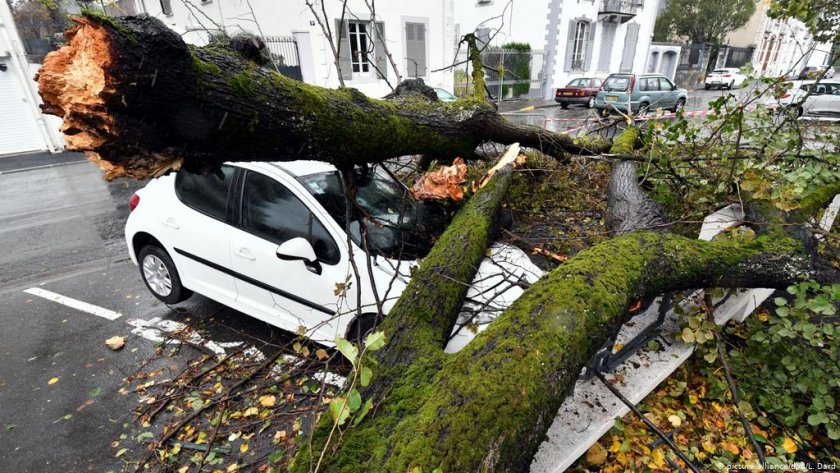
(134, 95)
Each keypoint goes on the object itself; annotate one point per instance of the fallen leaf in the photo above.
(279, 436)
(789, 445)
(321, 354)
(243, 448)
(267, 401)
(674, 420)
(115, 343)
(53, 380)
(251, 411)
(596, 454)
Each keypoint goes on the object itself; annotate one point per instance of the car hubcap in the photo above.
(157, 276)
(591, 103)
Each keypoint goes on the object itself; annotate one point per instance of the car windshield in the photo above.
(720, 71)
(397, 225)
(617, 83)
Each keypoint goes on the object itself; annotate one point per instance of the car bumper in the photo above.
(573, 100)
(619, 106)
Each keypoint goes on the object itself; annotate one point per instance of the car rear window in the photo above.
(207, 194)
(578, 83)
(617, 83)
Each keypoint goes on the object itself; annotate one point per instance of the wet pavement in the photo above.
(61, 230)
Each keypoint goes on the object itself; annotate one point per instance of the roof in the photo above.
(305, 168)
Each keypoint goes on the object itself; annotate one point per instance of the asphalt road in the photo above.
(61, 231)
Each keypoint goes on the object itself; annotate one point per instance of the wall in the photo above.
(785, 47)
(745, 36)
(282, 18)
(522, 21)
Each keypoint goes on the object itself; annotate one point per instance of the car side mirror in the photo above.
(673, 87)
(299, 249)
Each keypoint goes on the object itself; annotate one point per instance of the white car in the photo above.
(269, 240)
(823, 100)
(729, 77)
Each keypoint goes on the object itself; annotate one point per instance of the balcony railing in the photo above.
(618, 11)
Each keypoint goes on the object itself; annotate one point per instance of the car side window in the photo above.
(649, 84)
(665, 84)
(207, 194)
(272, 211)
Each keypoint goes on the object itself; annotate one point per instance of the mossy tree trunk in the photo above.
(134, 95)
(138, 99)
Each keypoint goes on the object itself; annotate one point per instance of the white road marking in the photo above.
(75, 304)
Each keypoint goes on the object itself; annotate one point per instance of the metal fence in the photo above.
(285, 56)
(508, 73)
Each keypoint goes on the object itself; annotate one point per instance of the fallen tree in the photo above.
(140, 102)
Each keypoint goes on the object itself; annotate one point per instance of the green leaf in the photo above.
(362, 413)
(780, 301)
(120, 452)
(95, 391)
(374, 341)
(347, 349)
(688, 335)
(365, 375)
(354, 400)
(339, 410)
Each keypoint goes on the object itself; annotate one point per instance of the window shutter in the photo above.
(570, 46)
(629, 48)
(343, 44)
(590, 45)
(379, 51)
(607, 40)
(415, 49)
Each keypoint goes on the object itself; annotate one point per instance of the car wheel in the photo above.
(591, 102)
(160, 275)
(731, 85)
(707, 87)
(643, 108)
(360, 327)
(679, 106)
(564, 106)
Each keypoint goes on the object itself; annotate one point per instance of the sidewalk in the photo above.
(520, 104)
(22, 162)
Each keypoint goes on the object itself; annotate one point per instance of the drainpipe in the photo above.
(18, 57)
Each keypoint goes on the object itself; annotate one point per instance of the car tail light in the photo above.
(727, 75)
(787, 94)
(632, 83)
(133, 202)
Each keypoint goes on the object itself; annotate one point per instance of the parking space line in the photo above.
(73, 303)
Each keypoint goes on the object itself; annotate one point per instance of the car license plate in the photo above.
(612, 98)
(567, 93)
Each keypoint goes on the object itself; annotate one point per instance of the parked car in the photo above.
(643, 92)
(729, 77)
(581, 91)
(820, 99)
(444, 96)
(814, 72)
(270, 240)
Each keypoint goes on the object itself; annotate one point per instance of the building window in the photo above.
(360, 47)
(415, 49)
(581, 38)
(166, 7)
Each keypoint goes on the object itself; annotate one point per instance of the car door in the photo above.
(667, 93)
(815, 101)
(284, 292)
(828, 102)
(196, 229)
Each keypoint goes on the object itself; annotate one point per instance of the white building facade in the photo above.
(23, 128)
(418, 35)
(785, 47)
(581, 38)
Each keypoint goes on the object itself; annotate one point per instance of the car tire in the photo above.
(564, 106)
(591, 102)
(643, 108)
(679, 106)
(360, 327)
(160, 275)
(707, 86)
(731, 85)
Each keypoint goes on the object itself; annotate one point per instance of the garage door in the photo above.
(18, 129)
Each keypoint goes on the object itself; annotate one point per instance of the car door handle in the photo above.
(245, 253)
(170, 222)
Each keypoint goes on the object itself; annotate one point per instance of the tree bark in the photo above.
(140, 102)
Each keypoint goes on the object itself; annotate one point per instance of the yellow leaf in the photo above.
(657, 459)
(321, 354)
(674, 420)
(232, 467)
(267, 401)
(622, 458)
(789, 445)
(616, 445)
(52, 380)
(115, 343)
(708, 446)
(596, 454)
(183, 469)
(243, 448)
(280, 436)
(730, 447)
(251, 411)
(176, 449)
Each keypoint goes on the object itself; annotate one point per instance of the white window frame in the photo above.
(354, 39)
(582, 30)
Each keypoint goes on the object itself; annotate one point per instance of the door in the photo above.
(284, 292)
(827, 102)
(18, 128)
(667, 94)
(197, 229)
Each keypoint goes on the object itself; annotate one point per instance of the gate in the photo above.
(508, 73)
(284, 55)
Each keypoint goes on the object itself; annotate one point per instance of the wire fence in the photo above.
(508, 74)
